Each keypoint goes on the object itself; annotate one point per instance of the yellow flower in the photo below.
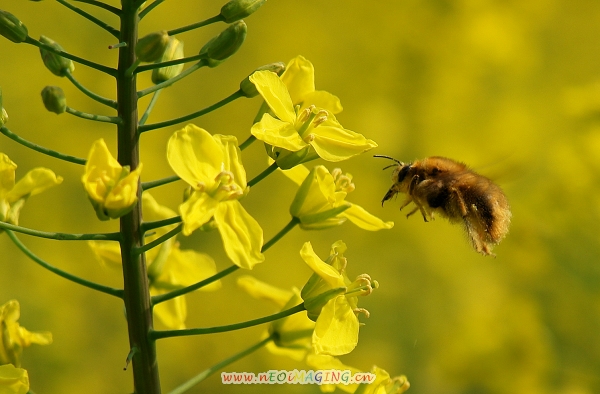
(332, 300)
(13, 196)
(13, 380)
(111, 188)
(384, 383)
(13, 337)
(321, 200)
(292, 333)
(212, 166)
(169, 267)
(299, 77)
(303, 133)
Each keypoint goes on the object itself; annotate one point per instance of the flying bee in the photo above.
(444, 186)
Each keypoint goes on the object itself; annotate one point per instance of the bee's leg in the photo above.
(406, 202)
(411, 212)
(413, 183)
(461, 202)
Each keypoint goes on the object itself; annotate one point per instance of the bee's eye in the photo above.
(435, 171)
(402, 173)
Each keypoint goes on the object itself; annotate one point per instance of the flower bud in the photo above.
(54, 99)
(239, 9)
(225, 44)
(151, 47)
(173, 51)
(248, 87)
(11, 27)
(57, 64)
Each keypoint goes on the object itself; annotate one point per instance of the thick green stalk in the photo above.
(136, 292)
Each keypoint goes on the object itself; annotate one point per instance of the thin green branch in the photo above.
(247, 143)
(62, 236)
(155, 335)
(292, 223)
(95, 286)
(168, 63)
(146, 10)
(176, 293)
(92, 18)
(214, 19)
(263, 174)
(147, 226)
(89, 93)
(171, 81)
(97, 118)
(207, 372)
(41, 149)
(158, 240)
(99, 67)
(196, 114)
(159, 182)
(107, 7)
(149, 109)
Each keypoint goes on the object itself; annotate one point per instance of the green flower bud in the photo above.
(11, 27)
(173, 51)
(225, 44)
(151, 47)
(248, 87)
(54, 99)
(239, 9)
(57, 64)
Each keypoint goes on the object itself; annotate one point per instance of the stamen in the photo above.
(361, 310)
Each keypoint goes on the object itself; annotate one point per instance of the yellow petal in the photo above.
(275, 93)
(7, 174)
(264, 291)
(324, 270)
(195, 156)
(197, 210)
(297, 174)
(34, 182)
(107, 253)
(186, 267)
(13, 380)
(171, 313)
(241, 234)
(232, 158)
(154, 211)
(316, 194)
(325, 100)
(336, 331)
(123, 195)
(334, 143)
(278, 133)
(299, 77)
(363, 219)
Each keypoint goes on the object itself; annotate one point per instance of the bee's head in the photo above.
(398, 176)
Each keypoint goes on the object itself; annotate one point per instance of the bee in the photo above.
(441, 185)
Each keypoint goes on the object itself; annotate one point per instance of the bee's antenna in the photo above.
(390, 158)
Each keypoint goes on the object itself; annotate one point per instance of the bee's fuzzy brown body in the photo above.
(449, 188)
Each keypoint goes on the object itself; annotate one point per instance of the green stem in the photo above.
(176, 293)
(95, 286)
(97, 118)
(155, 335)
(146, 10)
(168, 63)
(158, 240)
(62, 236)
(171, 81)
(107, 7)
(159, 182)
(99, 67)
(89, 93)
(136, 294)
(41, 149)
(204, 111)
(247, 143)
(92, 18)
(149, 109)
(179, 292)
(206, 373)
(263, 174)
(292, 223)
(217, 18)
(147, 226)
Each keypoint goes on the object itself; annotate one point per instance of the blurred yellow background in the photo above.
(510, 87)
